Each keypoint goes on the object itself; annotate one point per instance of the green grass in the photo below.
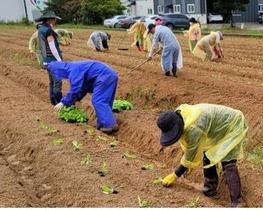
(22, 60)
(255, 155)
(226, 30)
(194, 203)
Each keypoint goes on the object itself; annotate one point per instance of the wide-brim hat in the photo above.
(172, 126)
(48, 15)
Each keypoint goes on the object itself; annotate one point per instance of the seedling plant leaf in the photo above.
(158, 180)
(148, 167)
(73, 114)
(129, 156)
(86, 161)
(142, 203)
(119, 105)
(58, 141)
(77, 145)
(108, 190)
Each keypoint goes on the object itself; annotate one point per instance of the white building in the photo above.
(144, 7)
(14, 10)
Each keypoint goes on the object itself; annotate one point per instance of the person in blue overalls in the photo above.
(50, 51)
(89, 77)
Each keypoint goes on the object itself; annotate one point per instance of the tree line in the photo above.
(85, 11)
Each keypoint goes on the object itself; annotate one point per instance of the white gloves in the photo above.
(58, 107)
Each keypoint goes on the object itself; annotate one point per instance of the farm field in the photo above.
(37, 172)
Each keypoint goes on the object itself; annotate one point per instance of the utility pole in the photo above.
(26, 11)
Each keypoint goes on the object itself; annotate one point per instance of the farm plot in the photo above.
(44, 168)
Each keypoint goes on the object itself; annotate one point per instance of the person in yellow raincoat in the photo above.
(208, 134)
(194, 33)
(209, 47)
(64, 37)
(34, 48)
(138, 29)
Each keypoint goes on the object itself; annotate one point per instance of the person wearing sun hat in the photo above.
(210, 134)
(50, 51)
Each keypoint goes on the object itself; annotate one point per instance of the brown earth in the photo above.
(34, 172)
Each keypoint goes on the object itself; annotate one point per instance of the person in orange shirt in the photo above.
(194, 33)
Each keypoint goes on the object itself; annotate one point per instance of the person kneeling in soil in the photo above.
(209, 47)
(207, 133)
(89, 77)
(172, 58)
(99, 41)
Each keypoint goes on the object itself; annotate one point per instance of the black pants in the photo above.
(231, 176)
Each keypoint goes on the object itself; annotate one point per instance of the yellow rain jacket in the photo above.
(64, 36)
(216, 130)
(138, 29)
(32, 45)
(204, 47)
(194, 35)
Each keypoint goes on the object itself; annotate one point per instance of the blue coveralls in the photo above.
(89, 77)
(55, 86)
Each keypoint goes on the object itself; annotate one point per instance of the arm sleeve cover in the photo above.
(54, 50)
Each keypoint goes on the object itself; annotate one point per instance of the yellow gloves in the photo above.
(170, 179)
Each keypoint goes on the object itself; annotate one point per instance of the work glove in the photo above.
(58, 107)
(170, 179)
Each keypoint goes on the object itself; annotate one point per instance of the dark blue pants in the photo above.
(55, 89)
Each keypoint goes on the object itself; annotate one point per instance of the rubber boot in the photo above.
(174, 71)
(210, 179)
(210, 185)
(233, 182)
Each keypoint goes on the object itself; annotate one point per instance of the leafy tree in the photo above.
(95, 11)
(227, 6)
(68, 10)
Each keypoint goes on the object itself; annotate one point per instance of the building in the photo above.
(15, 10)
(191, 8)
(198, 9)
(251, 14)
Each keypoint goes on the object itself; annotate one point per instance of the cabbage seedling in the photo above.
(104, 169)
(101, 138)
(108, 190)
(58, 141)
(158, 180)
(86, 161)
(129, 156)
(77, 145)
(142, 203)
(73, 114)
(148, 167)
(119, 105)
(114, 143)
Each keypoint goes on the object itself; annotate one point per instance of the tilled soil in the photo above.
(37, 173)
